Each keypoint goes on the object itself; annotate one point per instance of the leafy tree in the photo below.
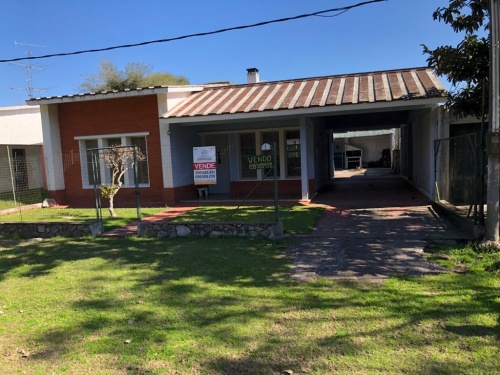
(467, 64)
(135, 75)
(119, 159)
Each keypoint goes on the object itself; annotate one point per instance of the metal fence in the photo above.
(459, 175)
(22, 185)
(23, 188)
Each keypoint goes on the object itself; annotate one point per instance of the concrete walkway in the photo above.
(131, 228)
(375, 226)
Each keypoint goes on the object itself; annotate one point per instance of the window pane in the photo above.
(92, 165)
(142, 165)
(247, 148)
(293, 153)
(113, 142)
(272, 138)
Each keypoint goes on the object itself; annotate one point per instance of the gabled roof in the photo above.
(327, 91)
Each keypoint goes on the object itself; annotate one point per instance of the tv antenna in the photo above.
(29, 70)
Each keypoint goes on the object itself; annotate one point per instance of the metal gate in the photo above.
(111, 167)
(459, 175)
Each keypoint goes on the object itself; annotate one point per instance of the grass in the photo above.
(296, 219)
(466, 258)
(125, 215)
(227, 306)
(23, 197)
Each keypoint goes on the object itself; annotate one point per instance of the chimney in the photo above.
(252, 75)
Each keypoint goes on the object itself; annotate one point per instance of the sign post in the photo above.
(204, 165)
(265, 161)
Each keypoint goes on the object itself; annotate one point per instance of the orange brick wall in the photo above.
(112, 116)
(172, 196)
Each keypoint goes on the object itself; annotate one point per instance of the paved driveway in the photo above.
(376, 226)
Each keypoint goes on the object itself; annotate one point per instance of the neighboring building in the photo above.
(299, 116)
(21, 152)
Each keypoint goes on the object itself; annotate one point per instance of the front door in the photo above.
(221, 143)
(20, 168)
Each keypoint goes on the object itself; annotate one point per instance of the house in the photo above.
(296, 116)
(21, 149)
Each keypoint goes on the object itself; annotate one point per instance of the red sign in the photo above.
(203, 166)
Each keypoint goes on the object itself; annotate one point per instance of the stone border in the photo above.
(14, 210)
(47, 230)
(172, 229)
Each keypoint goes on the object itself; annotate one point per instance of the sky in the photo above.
(378, 36)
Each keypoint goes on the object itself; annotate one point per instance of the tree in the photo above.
(119, 159)
(135, 75)
(467, 64)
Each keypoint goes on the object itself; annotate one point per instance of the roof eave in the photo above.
(312, 111)
(113, 94)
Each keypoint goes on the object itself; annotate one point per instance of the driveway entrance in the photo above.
(376, 226)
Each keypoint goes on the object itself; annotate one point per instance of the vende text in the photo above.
(201, 166)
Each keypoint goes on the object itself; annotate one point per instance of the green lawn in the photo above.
(23, 197)
(227, 306)
(296, 219)
(125, 215)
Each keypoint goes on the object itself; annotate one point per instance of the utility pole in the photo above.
(493, 136)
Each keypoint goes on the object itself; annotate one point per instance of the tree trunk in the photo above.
(111, 206)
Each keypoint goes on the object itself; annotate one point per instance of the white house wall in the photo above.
(372, 146)
(425, 131)
(33, 167)
(20, 125)
(52, 147)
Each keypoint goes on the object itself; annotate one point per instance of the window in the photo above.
(292, 153)
(92, 162)
(97, 168)
(271, 138)
(247, 148)
(287, 153)
(142, 165)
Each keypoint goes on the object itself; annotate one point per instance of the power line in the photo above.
(242, 27)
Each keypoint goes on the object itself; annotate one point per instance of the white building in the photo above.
(21, 148)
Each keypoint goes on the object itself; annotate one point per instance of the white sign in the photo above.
(204, 165)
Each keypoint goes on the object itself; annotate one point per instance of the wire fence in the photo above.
(81, 174)
(459, 172)
(22, 185)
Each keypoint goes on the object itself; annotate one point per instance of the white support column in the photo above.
(166, 154)
(304, 175)
(52, 147)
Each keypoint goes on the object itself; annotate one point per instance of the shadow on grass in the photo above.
(229, 307)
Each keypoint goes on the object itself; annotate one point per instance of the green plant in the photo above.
(471, 257)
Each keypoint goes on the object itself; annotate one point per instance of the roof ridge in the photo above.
(343, 75)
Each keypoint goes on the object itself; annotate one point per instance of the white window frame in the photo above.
(102, 143)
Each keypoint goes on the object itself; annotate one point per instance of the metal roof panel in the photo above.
(347, 89)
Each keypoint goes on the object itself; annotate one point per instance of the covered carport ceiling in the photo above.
(366, 121)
